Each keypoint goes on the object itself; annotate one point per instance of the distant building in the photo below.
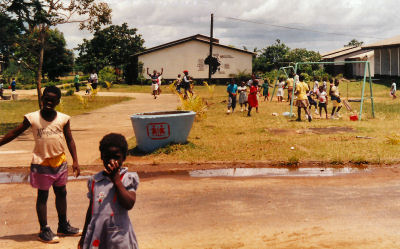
(189, 54)
(358, 69)
(340, 55)
(387, 56)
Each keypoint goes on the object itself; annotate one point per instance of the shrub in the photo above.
(107, 74)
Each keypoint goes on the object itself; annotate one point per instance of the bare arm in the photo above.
(11, 135)
(125, 198)
(162, 70)
(72, 149)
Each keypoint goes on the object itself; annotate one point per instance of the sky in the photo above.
(337, 21)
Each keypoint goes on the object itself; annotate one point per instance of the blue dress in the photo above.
(110, 226)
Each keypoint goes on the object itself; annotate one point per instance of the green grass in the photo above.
(236, 137)
(12, 112)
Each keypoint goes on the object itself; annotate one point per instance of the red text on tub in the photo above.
(158, 131)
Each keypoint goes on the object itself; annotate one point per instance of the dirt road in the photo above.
(89, 128)
(353, 211)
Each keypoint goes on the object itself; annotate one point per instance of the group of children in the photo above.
(317, 97)
(111, 192)
(248, 99)
(305, 96)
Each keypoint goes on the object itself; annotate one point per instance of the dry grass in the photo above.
(264, 137)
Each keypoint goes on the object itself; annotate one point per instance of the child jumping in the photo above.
(112, 193)
(154, 81)
(49, 163)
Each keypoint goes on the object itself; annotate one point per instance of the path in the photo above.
(89, 128)
(353, 211)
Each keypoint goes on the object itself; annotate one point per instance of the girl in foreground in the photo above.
(112, 194)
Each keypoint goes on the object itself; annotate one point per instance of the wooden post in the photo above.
(211, 43)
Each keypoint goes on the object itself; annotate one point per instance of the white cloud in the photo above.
(161, 21)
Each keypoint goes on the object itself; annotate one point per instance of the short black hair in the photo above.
(53, 89)
(301, 77)
(114, 140)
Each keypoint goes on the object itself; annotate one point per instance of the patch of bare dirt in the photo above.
(318, 131)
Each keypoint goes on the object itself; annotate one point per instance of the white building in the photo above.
(189, 54)
(387, 56)
(340, 55)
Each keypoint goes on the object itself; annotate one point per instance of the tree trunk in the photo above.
(40, 66)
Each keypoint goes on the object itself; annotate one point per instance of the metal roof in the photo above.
(198, 37)
(342, 53)
(394, 41)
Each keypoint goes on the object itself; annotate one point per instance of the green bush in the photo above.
(107, 74)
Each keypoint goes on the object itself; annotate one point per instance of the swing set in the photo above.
(367, 70)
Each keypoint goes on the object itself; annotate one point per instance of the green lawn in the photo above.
(265, 137)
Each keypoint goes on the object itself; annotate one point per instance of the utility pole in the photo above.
(211, 43)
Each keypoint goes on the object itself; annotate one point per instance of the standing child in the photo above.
(393, 90)
(252, 99)
(159, 81)
(242, 89)
(302, 101)
(49, 163)
(232, 90)
(280, 92)
(311, 101)
(13, 85)
(178, 82)
(112, 193)
(289, 85)
(323, 101)
(335, 97)
(265, 88)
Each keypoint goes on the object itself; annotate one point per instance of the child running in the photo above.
(302, 101)
(112, 193)
(49, 163)
(232, 90)
(335, 97)
(323, 101)
(242, 89)
(253, 101)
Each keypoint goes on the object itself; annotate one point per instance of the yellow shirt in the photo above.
(289, 82)
(302, 89)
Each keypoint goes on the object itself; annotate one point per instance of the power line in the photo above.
(300, 29)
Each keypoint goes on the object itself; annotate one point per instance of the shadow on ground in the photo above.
(20, 237)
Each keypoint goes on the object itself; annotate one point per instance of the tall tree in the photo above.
(9, 30)
(111, 46)
(39, 15)
(271, 57)
(354, 42)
